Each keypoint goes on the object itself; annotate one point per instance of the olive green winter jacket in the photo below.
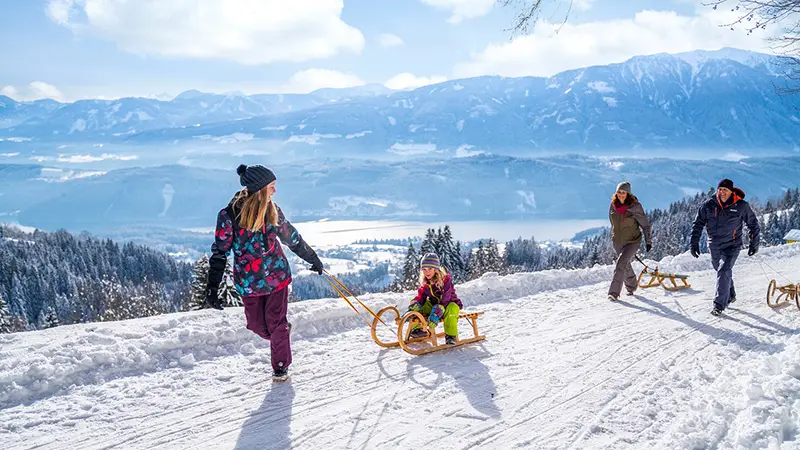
(626, 222)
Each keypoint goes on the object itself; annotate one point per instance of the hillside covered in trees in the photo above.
(47, 279)
(672, 232)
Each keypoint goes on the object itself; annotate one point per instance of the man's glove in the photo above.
(752, 251)
(696, 250)
(436, 314)
(648, 247)
(212, 299)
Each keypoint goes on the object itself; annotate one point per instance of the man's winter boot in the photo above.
(450, 340)
(612, 297)
(716, 311)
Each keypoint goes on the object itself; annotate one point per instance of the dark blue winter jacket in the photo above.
(723, 223)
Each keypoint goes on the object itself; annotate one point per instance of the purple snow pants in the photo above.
(266, 317)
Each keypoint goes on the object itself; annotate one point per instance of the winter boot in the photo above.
(612, 297)
(418, 332)
(733, 299)
(281, 374)
(450, 340)
(630, 292)
(716, 311)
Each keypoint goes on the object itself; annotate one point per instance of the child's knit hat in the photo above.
(431, 260)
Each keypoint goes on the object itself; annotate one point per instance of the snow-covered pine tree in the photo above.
(429, 243)
(477, 262)
(199, 284)
(49, 318)
(410, 270)
(494, 261)
(5, 316)
(227, 293)
(447, 255)
(459, 264)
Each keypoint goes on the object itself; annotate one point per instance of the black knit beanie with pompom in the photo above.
(254, 178)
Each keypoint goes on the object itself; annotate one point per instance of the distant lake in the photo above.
(342, 232)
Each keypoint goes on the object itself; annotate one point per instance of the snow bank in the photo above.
(37, 364)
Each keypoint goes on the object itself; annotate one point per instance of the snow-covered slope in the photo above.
(561, 368)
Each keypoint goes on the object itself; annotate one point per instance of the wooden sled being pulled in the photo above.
(436, 341)
(659, 278)
(786, 293)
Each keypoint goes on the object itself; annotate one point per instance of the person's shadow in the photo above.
(464, 365)
(269, 427)
(732, 336)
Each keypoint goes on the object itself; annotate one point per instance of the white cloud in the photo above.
(390, 40)
(462, 9)
(33, 91)
(465, 152)
(407, 80)
(9, 91)
(309, 80)
(245, 31)
(549, 50)
(582, 5)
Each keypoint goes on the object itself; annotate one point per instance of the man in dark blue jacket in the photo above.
(723, 215)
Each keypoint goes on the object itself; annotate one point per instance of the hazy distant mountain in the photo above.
(475, 188)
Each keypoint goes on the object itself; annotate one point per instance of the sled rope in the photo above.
(763, 270)
(341, 294)
(343, 297)
(762, 263)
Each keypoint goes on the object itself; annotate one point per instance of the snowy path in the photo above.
(561, 368)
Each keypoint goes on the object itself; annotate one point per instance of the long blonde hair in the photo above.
(438, 277)
(254, 208)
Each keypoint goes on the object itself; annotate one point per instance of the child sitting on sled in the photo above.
(436, 299)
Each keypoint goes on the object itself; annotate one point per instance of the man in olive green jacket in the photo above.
(628, 222)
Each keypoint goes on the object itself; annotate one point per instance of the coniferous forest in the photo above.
(50, 279)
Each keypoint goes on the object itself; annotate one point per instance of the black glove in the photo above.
(317, 266)
(752, 251)
(696, 250)
(648, 247)
(212, 299)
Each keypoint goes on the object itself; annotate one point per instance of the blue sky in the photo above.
(71, 49)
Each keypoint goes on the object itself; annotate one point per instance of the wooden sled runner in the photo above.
(660, 278)
(785, 294)
(405, 325)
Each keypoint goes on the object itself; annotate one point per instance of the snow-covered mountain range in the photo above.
(700, 99)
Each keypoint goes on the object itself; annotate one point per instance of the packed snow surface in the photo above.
(562, 367)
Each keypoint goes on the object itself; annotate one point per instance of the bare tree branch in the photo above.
(529, 12)
(756, 15)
